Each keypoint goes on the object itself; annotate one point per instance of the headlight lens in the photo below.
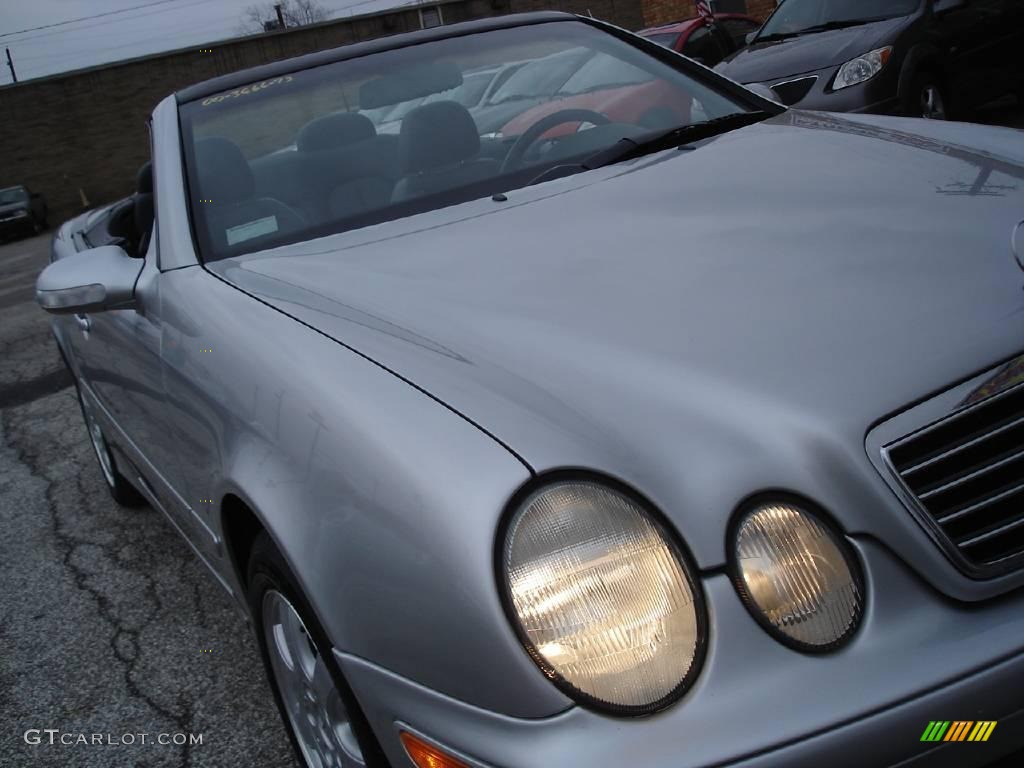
(796, 577)
(602, 598)
(862, 68)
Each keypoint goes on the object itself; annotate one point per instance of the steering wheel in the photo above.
(514, 158)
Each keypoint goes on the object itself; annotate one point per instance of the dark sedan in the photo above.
(21, 211)
(923, 58)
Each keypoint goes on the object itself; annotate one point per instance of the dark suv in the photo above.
(925, 58)
(21, 211)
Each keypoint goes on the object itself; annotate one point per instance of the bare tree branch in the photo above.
(296, 13)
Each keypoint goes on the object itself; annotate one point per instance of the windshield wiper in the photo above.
(816, 28)
(627, 149)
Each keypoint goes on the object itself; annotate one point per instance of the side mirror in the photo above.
(91, 281)
(749, 37)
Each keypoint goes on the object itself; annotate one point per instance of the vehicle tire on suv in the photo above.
(926, 98)
(319, 709)
(123, 492)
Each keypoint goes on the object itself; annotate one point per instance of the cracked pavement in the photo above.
(105, 613)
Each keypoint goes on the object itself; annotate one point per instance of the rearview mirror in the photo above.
(91, 281)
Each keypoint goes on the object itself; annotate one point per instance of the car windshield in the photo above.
(13, 195)
(795, 16)
(667, 39)
(393, 134)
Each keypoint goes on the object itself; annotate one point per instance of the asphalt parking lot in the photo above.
(108, 623)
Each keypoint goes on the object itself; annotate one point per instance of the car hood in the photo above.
(699, 324)
(772, 60)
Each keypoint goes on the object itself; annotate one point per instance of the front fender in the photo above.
(383, 501)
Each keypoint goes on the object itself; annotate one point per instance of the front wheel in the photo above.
(323, 719)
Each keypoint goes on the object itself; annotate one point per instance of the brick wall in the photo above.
(84, 133)
(664, 11)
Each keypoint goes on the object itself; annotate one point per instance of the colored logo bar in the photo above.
(958, 730)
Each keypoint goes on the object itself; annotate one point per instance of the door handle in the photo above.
(84, 323)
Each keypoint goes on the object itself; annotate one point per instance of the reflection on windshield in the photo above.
(426, 126)
(795, 16)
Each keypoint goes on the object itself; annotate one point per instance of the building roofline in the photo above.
(226, 41)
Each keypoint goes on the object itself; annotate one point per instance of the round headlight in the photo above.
(602, 598)
(796, 577)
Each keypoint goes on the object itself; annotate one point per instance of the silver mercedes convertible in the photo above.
(659, 426)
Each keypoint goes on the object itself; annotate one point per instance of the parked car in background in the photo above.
(616, 90)
(650, 447)
(21, 211)
(708, 45)
(530, 84)
(922, 58)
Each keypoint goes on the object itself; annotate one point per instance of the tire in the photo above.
(121, 490)
(927, 98)
(304, 677)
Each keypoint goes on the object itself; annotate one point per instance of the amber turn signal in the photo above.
(426, 755)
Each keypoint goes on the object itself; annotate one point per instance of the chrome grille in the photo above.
(967, 473)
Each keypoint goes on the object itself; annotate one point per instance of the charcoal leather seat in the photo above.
(438, 150)
(226, 180)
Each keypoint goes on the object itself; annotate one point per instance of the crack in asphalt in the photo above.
(124, 641)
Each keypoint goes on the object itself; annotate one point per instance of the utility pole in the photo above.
(10, 63)
(280, 16)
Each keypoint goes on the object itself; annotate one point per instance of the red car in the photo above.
(691, 37)
(640, 100)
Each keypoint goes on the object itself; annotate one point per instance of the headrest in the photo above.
(333, 131)
(144, 179)
(224, 173)
(436, 135)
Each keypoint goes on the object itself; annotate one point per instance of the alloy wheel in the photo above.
(318, 716)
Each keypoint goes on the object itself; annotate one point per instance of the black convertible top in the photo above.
(354, 50)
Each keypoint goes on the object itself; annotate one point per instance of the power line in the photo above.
(102, 23)
(87, 18)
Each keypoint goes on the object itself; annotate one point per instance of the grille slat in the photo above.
(999, 463)
(952, 516)
(967, 473)
(1011, 431)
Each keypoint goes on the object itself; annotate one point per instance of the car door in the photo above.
(127, 376)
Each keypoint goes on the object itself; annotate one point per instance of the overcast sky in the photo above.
(164, 25)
